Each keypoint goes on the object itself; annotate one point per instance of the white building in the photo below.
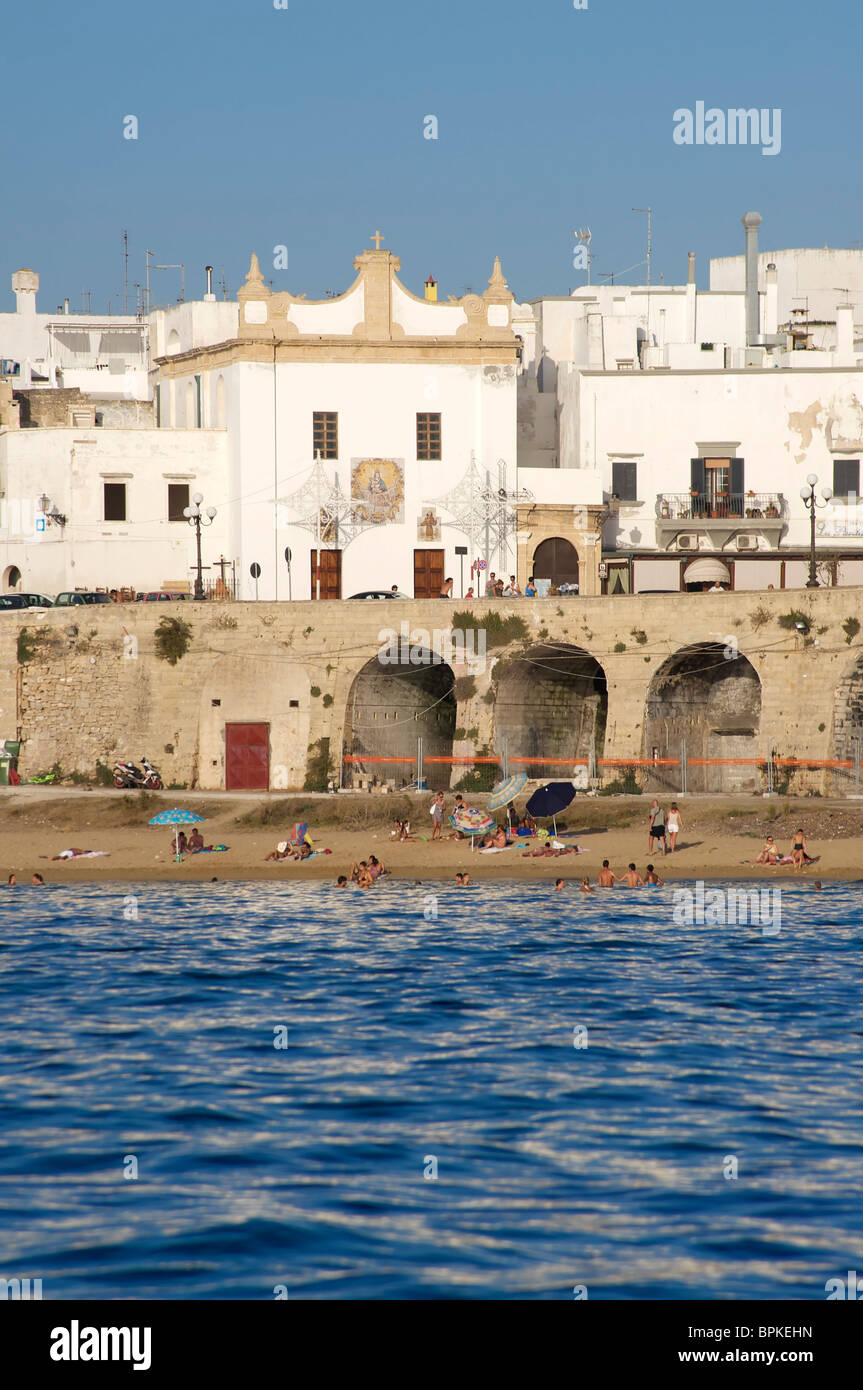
(705, 413)
(400, 399)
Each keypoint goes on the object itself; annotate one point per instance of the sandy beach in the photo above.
(720, 838)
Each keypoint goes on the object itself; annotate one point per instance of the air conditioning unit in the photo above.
(687, 542)
(747, 542)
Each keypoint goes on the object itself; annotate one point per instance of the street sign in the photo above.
(287, 554)
(255, 570)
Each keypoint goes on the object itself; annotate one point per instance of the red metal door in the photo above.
(247, 757)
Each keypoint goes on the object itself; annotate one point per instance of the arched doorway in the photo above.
(11, 577)
(551, 704)
(711, 704)
(556, 559)
(391, 706)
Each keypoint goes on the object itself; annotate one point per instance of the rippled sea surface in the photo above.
(417, 1043)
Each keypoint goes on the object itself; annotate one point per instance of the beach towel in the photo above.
(496, 849)
(88, 854)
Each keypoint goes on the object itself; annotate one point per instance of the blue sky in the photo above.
(304, 127)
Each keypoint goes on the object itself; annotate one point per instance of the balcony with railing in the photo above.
(721, 515)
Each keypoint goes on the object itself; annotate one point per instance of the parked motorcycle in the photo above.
(132, 777)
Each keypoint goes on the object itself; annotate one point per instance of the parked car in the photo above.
(160, 596)
(38, 600)
(72, 597)
(379, 593)
(13, 601)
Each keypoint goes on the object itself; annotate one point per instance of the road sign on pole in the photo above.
(255, 572)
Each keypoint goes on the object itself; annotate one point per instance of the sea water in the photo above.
(256, 1090)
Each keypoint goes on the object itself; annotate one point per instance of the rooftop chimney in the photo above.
(431, 288)
(25, 283)
(209, 296)
(752, 221)
(690, 300)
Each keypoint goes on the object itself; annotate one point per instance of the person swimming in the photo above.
(585, 885)
(606, 877)
(652, 879)
(558, 885)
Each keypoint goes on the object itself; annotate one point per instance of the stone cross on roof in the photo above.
(377, 239)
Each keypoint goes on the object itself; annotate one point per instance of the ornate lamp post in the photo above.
(197, 517)
(810, 502)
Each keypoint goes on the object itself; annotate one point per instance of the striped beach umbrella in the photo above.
(471, 822)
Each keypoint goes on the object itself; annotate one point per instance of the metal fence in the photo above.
(768, 774)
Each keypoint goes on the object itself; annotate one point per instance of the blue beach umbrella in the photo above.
(550, 799)
(176, 817)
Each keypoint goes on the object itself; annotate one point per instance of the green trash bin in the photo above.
(5, 764)
(13, 748)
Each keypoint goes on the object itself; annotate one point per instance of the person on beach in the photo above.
(376, 868)
(341, 881)
(652, 879)
(632, 878)
(673, 826)
(436, 810)
(656, 830)
(37, 881)
(585, 885)
(799, 854)
(770, 853)
(181, 847)
(495, 839)
(195, 842)
(606, 878)
(558, 885)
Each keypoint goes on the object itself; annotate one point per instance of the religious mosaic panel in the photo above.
(378, 490)
(428, 525)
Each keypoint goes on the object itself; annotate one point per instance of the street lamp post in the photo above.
(810, 502)
(197, 517)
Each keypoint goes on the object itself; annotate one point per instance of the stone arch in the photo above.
(392, 704)
(551, 703)
(11, 577)
(848, 725)
(714, 704)
(556, 559)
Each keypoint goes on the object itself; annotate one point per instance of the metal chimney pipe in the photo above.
(691, 279)
(65, 306)
(751, 221)
(209, 270)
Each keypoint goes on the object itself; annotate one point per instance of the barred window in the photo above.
(325, 434)
(428, 435)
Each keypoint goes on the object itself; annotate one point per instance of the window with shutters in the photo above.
(115, 501)
(178, 498)
(325, 434)
(624, 481)
(846, 477)
(428, 435)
